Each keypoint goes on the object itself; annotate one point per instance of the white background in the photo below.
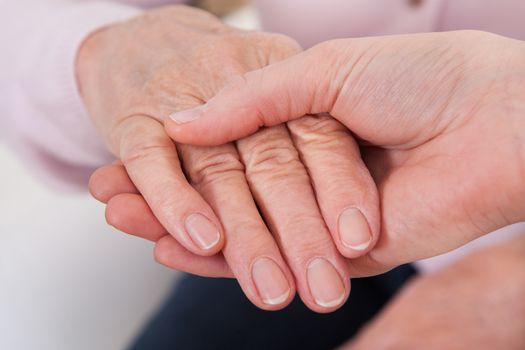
(67, 280)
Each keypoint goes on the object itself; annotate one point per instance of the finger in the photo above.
(281, 187)
(110, 180)
(126, 210)
(345, 191)
(170, 253)
(269, 96)
(250, 250)
(131, 214)
(152, 163)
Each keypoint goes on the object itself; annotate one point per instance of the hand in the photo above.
(477, 303)
(441, 115)
(175, 58)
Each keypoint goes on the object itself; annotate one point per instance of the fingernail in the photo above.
(270, 281)
(188, 115)
(202, 231)
(354, 231)
(325, 284)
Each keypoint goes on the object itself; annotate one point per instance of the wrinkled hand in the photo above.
(442, 115)
(476, 303)
(135, 74)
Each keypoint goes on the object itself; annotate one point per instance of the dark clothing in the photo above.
(204, 313)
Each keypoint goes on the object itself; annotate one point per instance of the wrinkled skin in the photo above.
(435, 110)
(133, 75)
(441, 114)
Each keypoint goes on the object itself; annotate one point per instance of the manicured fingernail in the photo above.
(270, 281)
(325, 284)
(188, 115)
(354, 231)
(202, 231)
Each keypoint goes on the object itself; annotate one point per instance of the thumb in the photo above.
(269, 96)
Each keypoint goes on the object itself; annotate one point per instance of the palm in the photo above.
(421, 216)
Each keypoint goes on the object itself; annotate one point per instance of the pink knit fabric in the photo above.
(42, 114)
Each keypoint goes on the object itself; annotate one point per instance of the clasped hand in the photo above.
(296, 205)
(279, 210)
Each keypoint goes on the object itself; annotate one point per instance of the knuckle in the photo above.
(283, 40)
(321, 130)
(271, 157)
(270, 153)
(142, 138)
(148, 151)
(300, 223)
(305, 235)
(209, 167)
(279, 46)
(284, 48)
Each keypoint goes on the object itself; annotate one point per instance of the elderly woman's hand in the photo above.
(308, 180)
(441, 116)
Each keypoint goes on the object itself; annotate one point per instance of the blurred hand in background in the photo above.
(476, 303)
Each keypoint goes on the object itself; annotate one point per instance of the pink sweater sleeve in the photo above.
(41, 112)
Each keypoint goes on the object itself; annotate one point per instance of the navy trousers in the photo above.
(205, 313)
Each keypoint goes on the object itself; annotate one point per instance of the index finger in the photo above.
(151, 160)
